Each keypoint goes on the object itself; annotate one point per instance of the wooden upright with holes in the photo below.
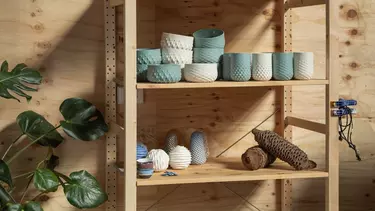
(286, 106)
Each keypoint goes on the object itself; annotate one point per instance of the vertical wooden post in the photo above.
(286, 105)
(130, 110)
(110, 103)
(332, 74)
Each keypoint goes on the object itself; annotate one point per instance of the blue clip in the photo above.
(169, 173)
(343, 102)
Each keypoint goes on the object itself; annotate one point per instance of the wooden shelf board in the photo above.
(224, 84)
(228, 170)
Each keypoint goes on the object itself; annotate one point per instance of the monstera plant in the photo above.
(81, 121)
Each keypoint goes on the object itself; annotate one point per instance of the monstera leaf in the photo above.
(29, 206)
(14, 80)
(45, 180)
(83, 190)
(34, 126)
(5, 174)
(82, 120)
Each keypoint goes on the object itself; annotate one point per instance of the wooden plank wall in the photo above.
(65, 38)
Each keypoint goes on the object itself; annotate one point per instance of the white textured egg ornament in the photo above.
(160, 159)
(179, 158)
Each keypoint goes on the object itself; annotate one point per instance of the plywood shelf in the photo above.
(228, 170)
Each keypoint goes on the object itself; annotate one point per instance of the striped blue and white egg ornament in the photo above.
(198, 148)
(141, 150)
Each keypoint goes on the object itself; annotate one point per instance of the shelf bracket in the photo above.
(306, 124)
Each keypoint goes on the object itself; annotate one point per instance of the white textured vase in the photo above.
(201, 73)
(160, 159)
(176, 56)
(262, 67)
(179, 158)
(303, 65)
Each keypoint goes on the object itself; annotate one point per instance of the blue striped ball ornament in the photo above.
(141, 150)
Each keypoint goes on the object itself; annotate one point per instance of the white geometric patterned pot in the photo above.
(179, 158)
(198, 148)
(176, 56)
(176, 41)
(303, 65)
(160, 159)
(262, 66)
(201, 73)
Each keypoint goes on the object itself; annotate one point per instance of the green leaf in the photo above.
(15, 80)
(82, 120)
(32, 206)
(34, 126)
(14, 207)
(5, 197)
(5, 175)
(45, 180)
(4, 67)
(83, 190)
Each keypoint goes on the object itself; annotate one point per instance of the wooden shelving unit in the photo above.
(217, 170)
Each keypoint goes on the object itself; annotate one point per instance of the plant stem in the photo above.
(11, 145)
(40, 194)
(31, 143)
(23, 175)
(66, 178)
(26, 188)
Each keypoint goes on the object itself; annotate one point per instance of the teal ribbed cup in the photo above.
(148, 56)
(237, 66)
(282, 64)
(209, 38)
(164, 73)
(207, 55)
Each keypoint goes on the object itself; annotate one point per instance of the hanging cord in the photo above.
(247, 133)
(348, 128)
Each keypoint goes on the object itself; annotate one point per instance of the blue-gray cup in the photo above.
(282, 64)
(237, 66)
(209, 38)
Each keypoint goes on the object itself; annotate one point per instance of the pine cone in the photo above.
(255, 158)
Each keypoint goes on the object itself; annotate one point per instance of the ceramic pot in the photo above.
(198, 148)
(164, 73)
(282, 66)
(148, 56)
(207, 55)
(176, 41)
(201, 73)
(159, 158)
(237, 66)
(142, 72)
(209, 38)
(145, 168)
(303, 65)
(262, 66)
(171, 141)
(179, 158)
(141, 150)
(176, 56)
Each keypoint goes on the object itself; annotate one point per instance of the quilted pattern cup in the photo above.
(282, 66)
(262, 66)
(145, 168)
(201, 73)
(303, 65)
(148, 56)
(176, 41)
(237, 66)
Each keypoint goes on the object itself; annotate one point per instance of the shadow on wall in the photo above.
(68, 47)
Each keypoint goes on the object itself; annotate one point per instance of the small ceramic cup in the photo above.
(303, 65)
(237, 66)
(262, 66)
(145, 168)
(282, 63)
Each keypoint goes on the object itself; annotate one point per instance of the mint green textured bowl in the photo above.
(207, 55)
(142, 72)
(148, 56)
(164, 73)
(209, 38)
